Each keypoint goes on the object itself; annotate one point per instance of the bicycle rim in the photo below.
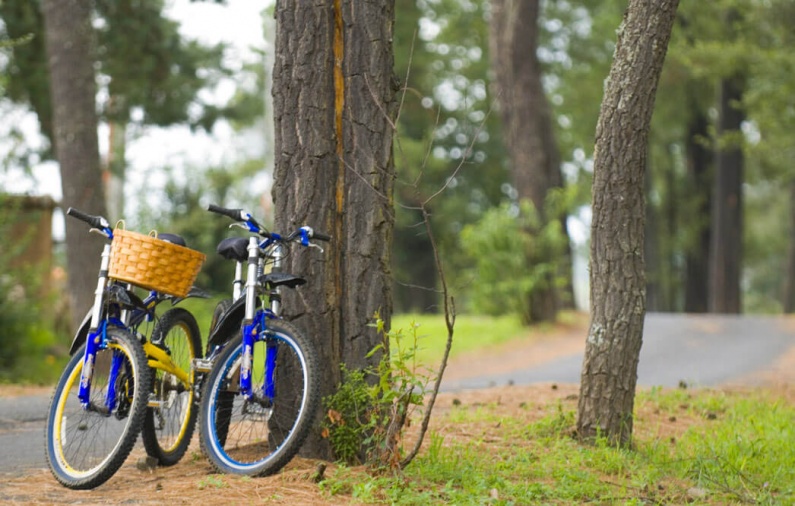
(85, 448)
(257, 438)
(171, 417)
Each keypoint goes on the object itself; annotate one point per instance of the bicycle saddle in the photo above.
(234, 248)
(275, 279)
(173, 239)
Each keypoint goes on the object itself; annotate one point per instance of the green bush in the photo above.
(27, 336)
(366, 416)
(513, 254)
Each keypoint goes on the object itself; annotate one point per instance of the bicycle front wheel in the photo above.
(171, 418)
(86, 445)
(259, 435)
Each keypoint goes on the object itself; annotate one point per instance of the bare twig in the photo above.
(449, 318)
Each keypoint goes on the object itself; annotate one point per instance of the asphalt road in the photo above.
(701, 350)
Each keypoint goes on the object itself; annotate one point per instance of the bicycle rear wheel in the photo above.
(85, 447)
(171, 417)
(258, 436)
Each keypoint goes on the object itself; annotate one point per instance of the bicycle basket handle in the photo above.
(94, 221)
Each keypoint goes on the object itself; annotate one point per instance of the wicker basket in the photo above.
(152, 263)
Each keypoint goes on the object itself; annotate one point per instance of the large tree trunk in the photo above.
(727, 211)
(618, 291)
(334, 106)
(527, 124)
(68, 34)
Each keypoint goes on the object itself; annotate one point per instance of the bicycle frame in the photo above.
(244, 308)
(255, 319)
(95, 332)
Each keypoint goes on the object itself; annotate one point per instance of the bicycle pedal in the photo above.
(201, 365)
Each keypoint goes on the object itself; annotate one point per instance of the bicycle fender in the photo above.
(229, 324)
(82, 329)
(81, 334)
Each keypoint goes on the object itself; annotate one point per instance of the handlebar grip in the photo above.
(94, 221)
(235, 214)
(321, 237)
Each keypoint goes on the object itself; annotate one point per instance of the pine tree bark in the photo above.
(334, 107)
(528, 126)
(618, 291)
(699, 161)
(68, 36)
(727, 212)
(789, 283)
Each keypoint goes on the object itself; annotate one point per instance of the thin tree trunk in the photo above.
(651, 247)
(727, 211)
(69, 38)
(789, 283)
(334, 106)
(114, 173)
(527, 125)
(699, 159)
(618, 290)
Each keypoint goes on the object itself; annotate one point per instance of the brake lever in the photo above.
(313, 245)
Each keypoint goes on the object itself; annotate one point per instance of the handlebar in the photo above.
(239, 215)
(95, 221)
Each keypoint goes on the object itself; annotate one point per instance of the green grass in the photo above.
(471, 332)
(741, 453)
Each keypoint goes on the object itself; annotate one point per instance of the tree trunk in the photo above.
(114, 172)
(652, 256)
(699, 159)
(334, 106)
(527, 125)
(789, 283)
(68, 38)
(618, 291)
(727, 211)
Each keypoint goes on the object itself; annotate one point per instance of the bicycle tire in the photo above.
(220, 308)
(256, 440)
(171, 416)
(85, 448)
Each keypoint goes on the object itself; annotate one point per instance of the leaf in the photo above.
(335, 417)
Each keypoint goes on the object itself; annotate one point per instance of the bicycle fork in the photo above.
(255, 328)
(95, 341)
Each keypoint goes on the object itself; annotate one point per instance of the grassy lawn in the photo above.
(705, 447)
(470, 332)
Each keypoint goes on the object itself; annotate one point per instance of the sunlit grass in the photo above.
(745, 454)
(470, 332)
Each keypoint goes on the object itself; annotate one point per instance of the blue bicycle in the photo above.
(260, 395)
(119, 382)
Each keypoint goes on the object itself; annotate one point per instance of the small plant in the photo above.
(213, 481)
(366, 417)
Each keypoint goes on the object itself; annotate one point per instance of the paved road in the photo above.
(701, 350)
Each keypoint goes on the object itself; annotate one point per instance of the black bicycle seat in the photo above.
(234, 248)
(173, 239)
(274, 279)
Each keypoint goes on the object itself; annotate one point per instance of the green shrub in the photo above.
(513, 255)
(27, 338)
(366, 416)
